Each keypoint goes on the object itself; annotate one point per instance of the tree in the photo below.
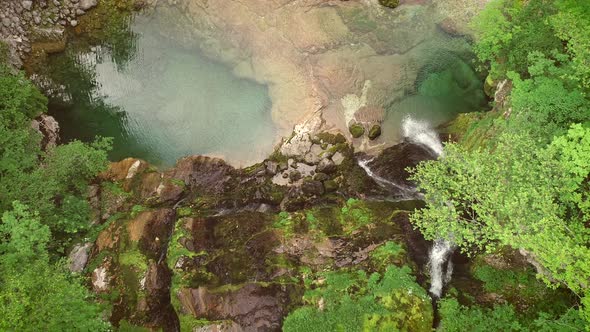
(36, 295)
(516, 195)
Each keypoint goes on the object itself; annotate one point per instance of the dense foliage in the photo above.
(355, 301)
(43, 206)
(527, 187)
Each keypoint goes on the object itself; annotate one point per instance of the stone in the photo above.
(312, 188)
(73, 23)
(389, 3)
(330, 186)
(100, 279)
(356, 130)
(272, 167)
(48, 127)
(321, 177)
(255, 307)
(87, 4)
(294, 176)
(337, 158)
(375, 132)
(79, 257)
(326, 166)
(27, 4)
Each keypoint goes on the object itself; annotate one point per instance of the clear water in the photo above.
(446, 86)
(161, 101)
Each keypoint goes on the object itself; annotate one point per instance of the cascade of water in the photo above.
(420, 132)
(384, 182)
(439, 273)
(440, 264)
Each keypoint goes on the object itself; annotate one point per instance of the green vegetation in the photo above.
(355, 301)
(521, 179)
(457, 318)
(44, 208)
(38, 294)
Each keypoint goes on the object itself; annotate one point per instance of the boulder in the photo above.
(356, 130)
(326, 166)
(255, 307)
(79, 257)
(87, 4)
(48, 127)
(375, 132)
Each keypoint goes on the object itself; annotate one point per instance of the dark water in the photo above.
(161, 101)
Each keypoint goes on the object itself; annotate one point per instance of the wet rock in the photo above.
(393, 162)
(326, 166)
(255, 307)
(202, 174)
(79, 257)
(152, 229)
(312, 188)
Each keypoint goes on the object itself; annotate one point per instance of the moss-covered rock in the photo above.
(389, 3)
(374, 132)
(356, 130)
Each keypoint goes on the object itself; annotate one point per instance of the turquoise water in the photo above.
(163, 102)
(447, 85)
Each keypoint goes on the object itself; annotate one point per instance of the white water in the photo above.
(407, 191)
(441, 267)
(420, 132)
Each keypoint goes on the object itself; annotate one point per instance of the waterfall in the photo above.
(440, 264)
(438, 258)
(407, 191)
(420, 132)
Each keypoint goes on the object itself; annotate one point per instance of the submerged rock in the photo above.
(356, 130)
(375, 132)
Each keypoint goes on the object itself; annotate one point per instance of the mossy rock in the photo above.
(375, 132)
(356, 130)
(389, 3)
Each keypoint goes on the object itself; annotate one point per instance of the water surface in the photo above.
(163, 102)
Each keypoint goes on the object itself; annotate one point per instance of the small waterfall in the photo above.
(440, 264)
(441, 267)
(407, 191)
(420, 132)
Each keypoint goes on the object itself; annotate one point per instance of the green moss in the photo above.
(356, 130)
(389, 3)
(133, 258)
(374, 132)
(330, 138)
(136, 209)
